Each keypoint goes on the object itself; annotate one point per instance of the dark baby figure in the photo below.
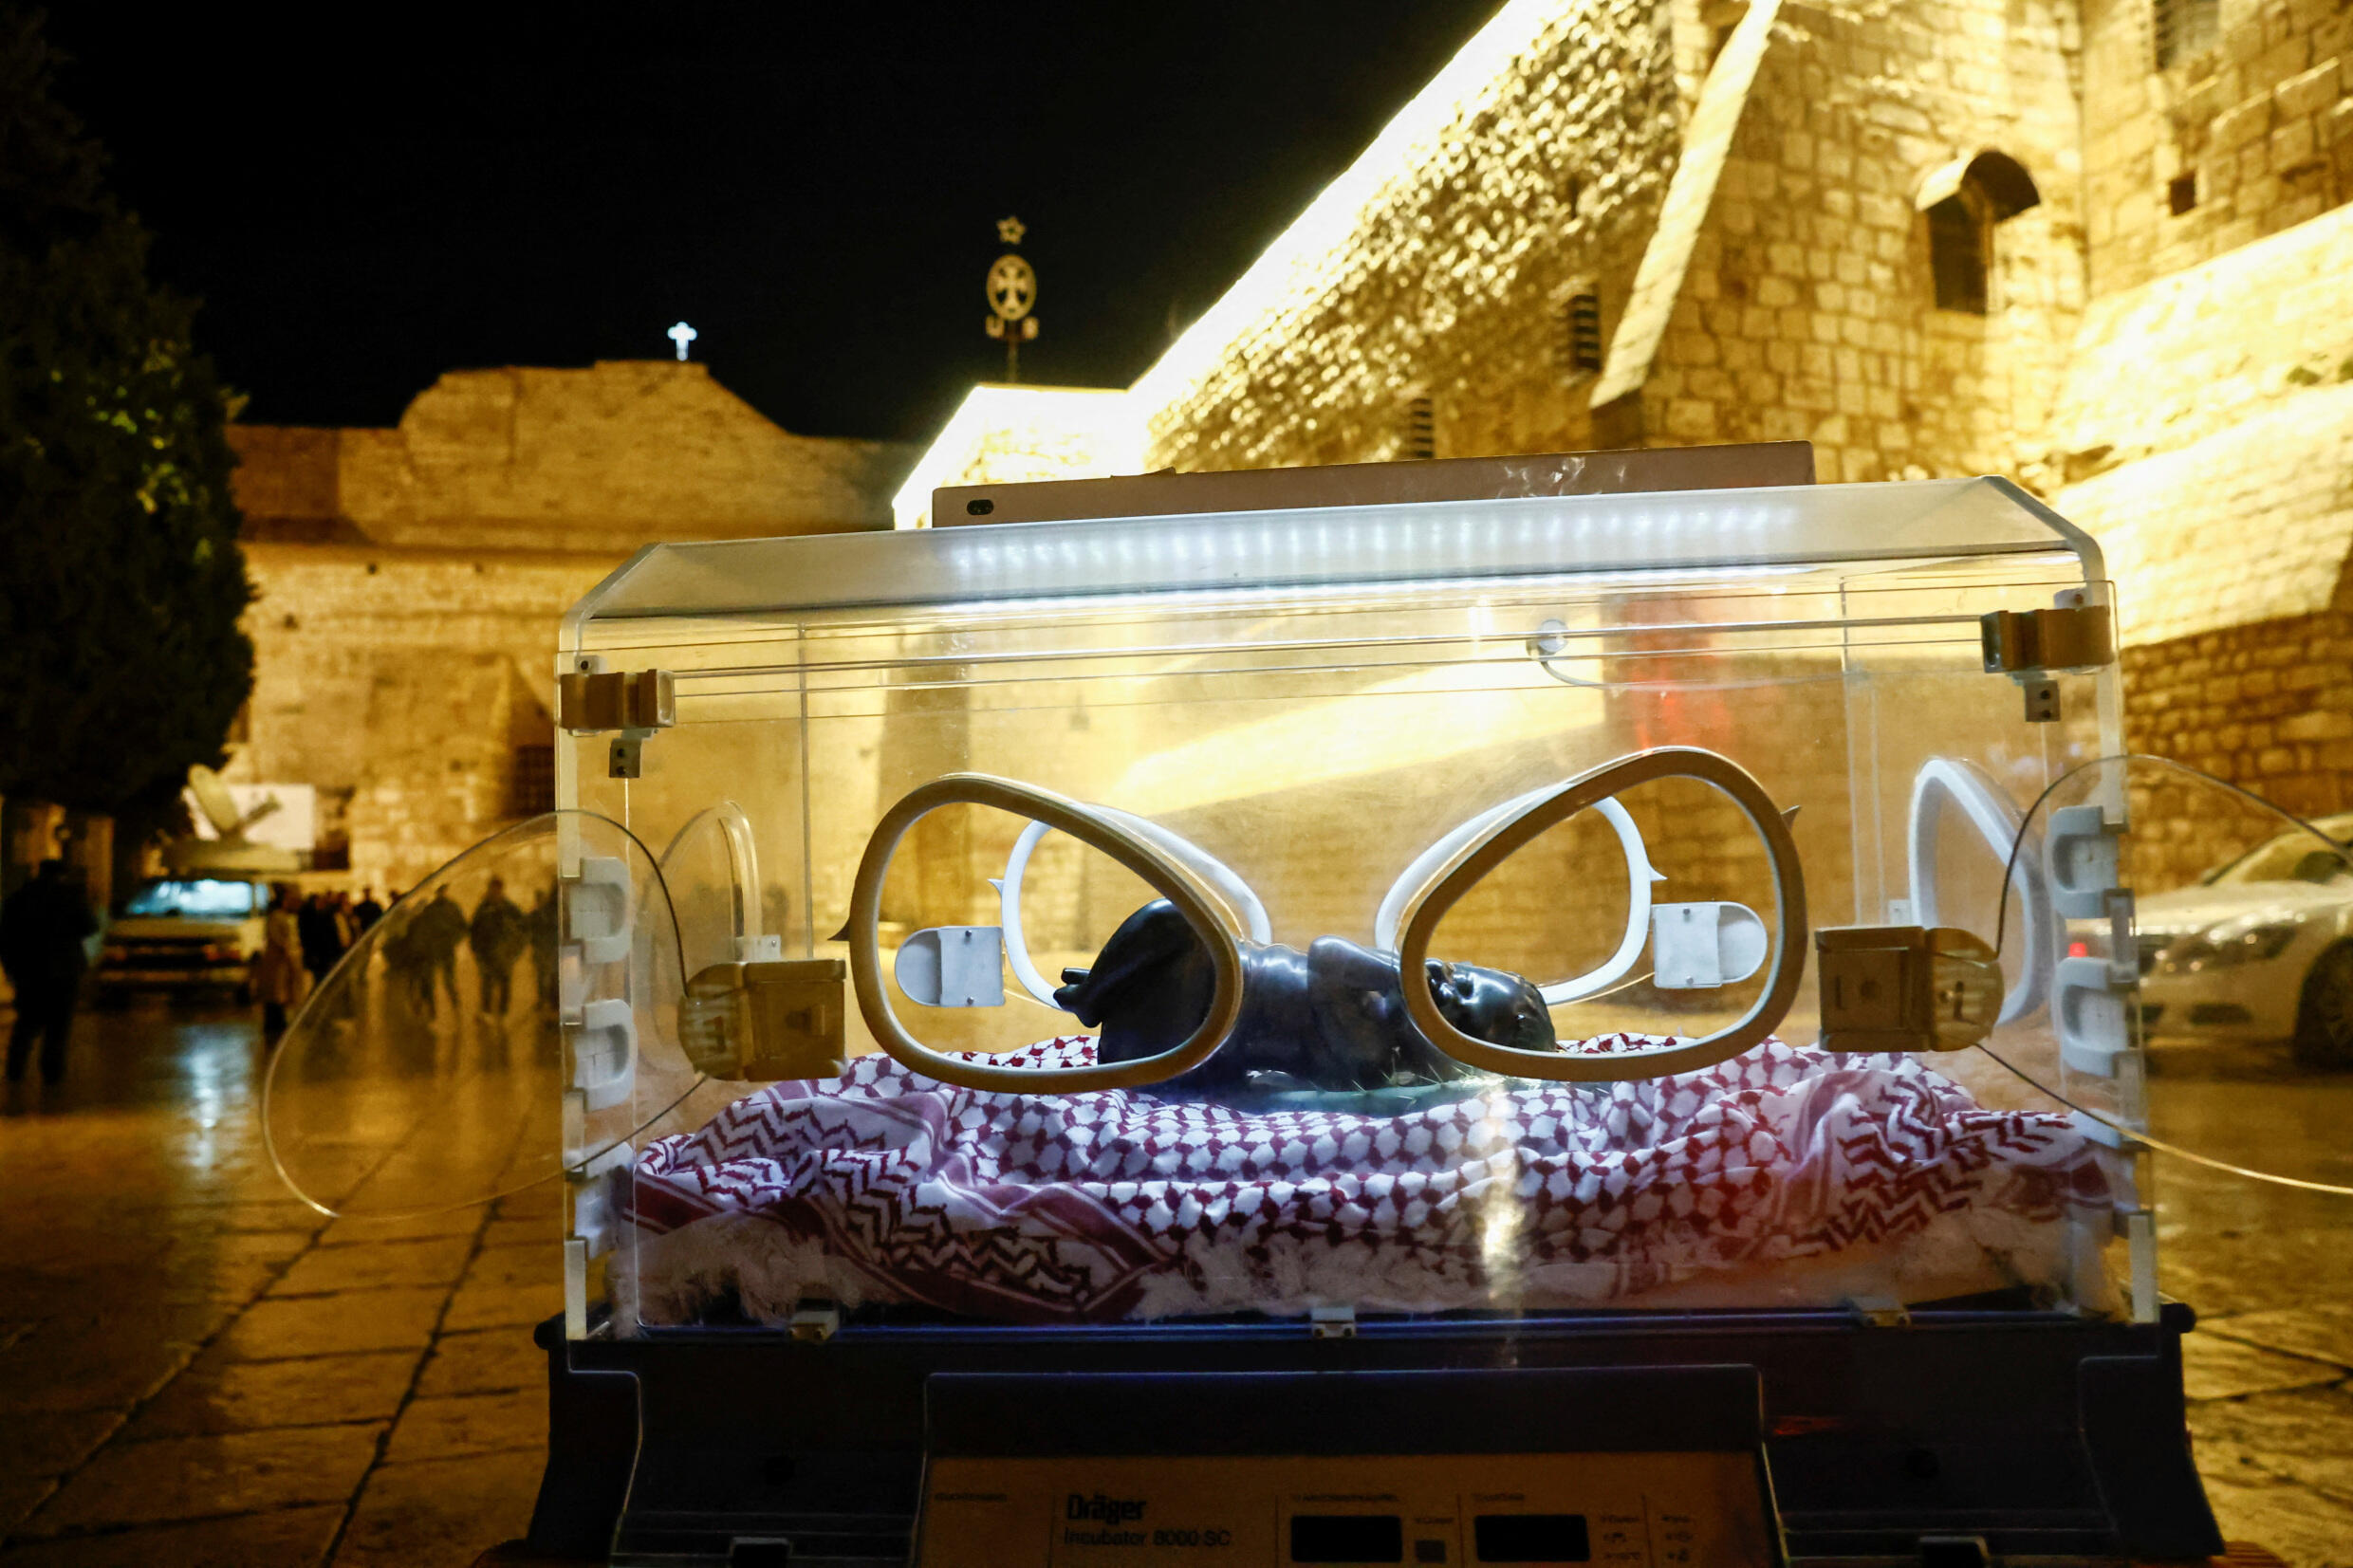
(1331, 1018)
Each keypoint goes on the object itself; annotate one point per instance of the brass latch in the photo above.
(2026, 645)
(635, 702)
(2067, 636)
(590, 700)
(1905, 987)
(757, 1023)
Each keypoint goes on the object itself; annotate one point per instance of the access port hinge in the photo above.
(1879, 1311)
(1905, 987)
(757, 1023)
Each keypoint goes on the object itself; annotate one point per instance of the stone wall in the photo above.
(600, 460)
(2205, 436)
(2257, 125)
(409, 582)
(1806, 309)
(1439, 266)
(1798, 304)
(402, 684)
(2268, 707)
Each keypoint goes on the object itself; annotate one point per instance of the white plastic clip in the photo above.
(596, 910)
(1698, 947)
(595, 1216)
(2091, 1008)
(2083, 852)
(953, 966)
(604, 1051)
(815, 1321)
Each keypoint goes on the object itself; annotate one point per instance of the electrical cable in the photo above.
(2163, 1147)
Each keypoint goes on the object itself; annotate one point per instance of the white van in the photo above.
(184, 935)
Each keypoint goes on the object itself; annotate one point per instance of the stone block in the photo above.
(2235, 127)
(2323, 724)
(281, 1539)
(2292, 146)
(2304, 678)
(442, 1510)
(177, 1478)
(1691, 419)
(2308, 94)
(2283, 59)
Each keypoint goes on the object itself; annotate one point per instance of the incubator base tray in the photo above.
(2045, 1434)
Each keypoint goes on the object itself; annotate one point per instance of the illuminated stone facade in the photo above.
(2078, 242)
(411, 581)
(1939, 237)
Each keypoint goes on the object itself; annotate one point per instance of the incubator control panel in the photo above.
(1624, 1510)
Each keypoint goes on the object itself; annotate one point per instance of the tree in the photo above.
(120, 581)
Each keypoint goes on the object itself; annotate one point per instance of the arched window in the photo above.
(1964, 200)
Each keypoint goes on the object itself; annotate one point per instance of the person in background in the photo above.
(436, 933)
(498, 936)
(367, 911)
(42, 928)
(279, 979)
(540, 923)
(321, 944)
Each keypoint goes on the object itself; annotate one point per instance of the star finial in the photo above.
(1010, 231)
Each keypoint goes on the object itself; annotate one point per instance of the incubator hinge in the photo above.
(1879, 1311)
(2029, 645)
(592, 699)
(596, 1201)
(1905, 987)
(1331, 1322)
(759, 1022)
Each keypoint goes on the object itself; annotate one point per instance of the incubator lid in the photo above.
(1836, 529)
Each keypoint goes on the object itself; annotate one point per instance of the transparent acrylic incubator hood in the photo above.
(1680, 899)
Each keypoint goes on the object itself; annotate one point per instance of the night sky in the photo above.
(420, 190)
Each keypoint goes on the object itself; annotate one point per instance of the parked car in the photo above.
(2260, 949)
(184, 935)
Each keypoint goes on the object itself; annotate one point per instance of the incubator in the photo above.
(1138, 957)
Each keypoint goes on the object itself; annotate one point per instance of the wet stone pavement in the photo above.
(196, 1369)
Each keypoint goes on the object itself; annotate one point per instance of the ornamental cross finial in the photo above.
(1012, 290)
(682, 335)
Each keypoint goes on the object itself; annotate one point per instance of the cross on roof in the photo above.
(682, 335)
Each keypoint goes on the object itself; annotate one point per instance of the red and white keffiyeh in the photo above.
(1784, 1174)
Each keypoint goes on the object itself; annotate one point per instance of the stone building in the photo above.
(2100, 246)
(410, 581)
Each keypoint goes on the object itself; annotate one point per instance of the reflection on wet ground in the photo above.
(197, 1369)
(2271, 1272)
